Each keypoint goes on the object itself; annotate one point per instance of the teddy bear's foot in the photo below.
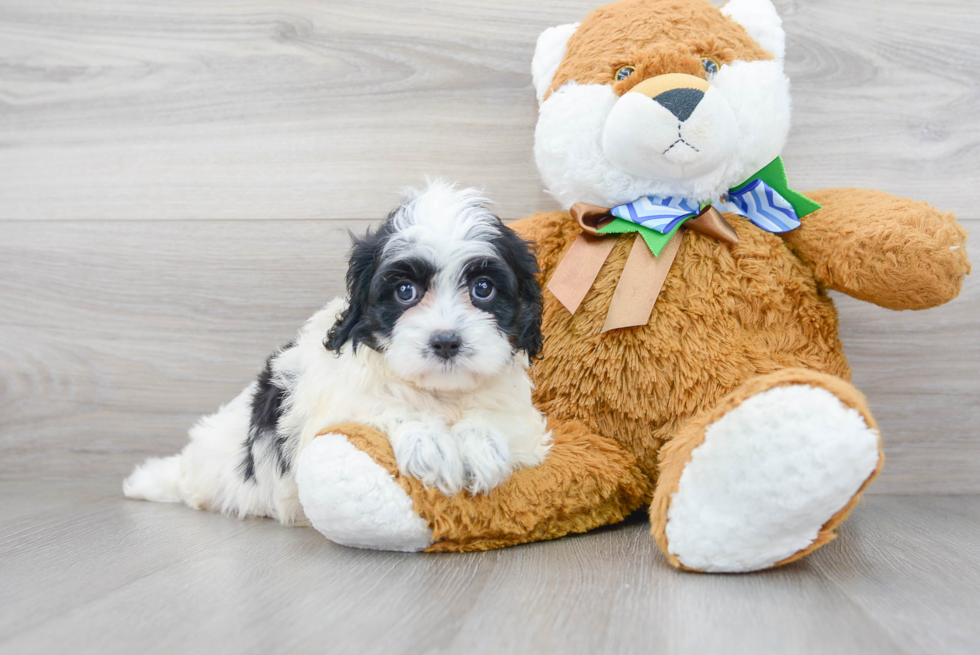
(765, 477)
(353, 501)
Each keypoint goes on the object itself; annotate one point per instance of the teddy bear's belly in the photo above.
(726, 314)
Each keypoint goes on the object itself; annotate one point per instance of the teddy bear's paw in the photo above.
(768, 476)
(486, 456)
(353, 501)
(426, 451)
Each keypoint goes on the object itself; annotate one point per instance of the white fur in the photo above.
(682, 150)
(156, 479)
(548, 53)
(768, 476)
(354, 502)
(207, 473)
(594, 146)
(761, 21)
(444, 225)
(576, 166)
(466, 424)
(484, 352)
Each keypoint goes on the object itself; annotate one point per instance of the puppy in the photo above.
(431, 347)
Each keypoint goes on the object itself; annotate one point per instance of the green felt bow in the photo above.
(773, 174)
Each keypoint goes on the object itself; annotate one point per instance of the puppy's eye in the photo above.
(406, 293)
(624, 72)
(483, 290)
(710, 66)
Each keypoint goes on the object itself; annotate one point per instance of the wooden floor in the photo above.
(85, 571)
(176, 185)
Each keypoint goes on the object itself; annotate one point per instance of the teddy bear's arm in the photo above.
(891, 251)
(586, 481)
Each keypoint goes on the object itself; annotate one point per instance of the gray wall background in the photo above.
(177, 181)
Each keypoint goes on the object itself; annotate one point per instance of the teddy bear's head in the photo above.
(660, 98)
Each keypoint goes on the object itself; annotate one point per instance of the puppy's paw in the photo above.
(426, 451)
(485, 454)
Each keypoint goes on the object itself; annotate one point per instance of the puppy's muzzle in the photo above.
(445, 344)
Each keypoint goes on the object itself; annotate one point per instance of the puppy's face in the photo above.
(444, 291)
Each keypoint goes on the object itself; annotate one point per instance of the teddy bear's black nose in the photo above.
(680, 102)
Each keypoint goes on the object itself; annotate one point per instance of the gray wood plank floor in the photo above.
(84, 570)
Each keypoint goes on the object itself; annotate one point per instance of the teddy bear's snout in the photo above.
(670, 127)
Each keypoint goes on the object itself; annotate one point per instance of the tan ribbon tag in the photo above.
(639, 286)
(577, 271)
(644, 274)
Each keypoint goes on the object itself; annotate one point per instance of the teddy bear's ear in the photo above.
(760, 20)
(548, 55)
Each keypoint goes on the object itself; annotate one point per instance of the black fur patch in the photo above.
(522, 321)
(266, 412)
(365, 258)
(383, 309)
(373, 310)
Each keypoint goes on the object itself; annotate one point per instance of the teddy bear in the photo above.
(691, 361)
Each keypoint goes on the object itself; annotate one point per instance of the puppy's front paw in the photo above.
(427, 451)
(485, 454)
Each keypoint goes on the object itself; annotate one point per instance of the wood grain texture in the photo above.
(115, 336)
(300, 109)
(914, 575)
(109, 576)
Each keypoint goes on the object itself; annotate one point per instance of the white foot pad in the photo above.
(768, 476)
(354, 502)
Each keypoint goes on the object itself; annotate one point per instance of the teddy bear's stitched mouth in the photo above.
(677, 142)
(680, 139)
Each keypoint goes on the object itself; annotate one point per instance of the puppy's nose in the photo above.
(445, 344)
(680, 102)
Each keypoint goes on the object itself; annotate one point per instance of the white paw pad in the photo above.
(353, 501)
(768, 476)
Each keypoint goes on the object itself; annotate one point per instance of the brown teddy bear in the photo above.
(691, 355)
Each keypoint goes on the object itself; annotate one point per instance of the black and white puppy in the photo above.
(431, 347)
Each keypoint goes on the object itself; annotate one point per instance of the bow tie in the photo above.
(765, 199)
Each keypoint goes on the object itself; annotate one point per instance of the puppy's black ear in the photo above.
(352, 325)
(519, 255)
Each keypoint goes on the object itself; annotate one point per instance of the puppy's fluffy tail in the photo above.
(155, 479)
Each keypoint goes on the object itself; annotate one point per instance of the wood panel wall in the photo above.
(177, 181)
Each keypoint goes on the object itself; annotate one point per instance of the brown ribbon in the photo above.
(643, 275)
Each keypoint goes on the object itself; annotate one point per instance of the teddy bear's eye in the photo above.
(710, 66)
(624, 72)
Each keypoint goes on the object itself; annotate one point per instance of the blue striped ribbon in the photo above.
(757, 201)
(658, 213)
(765, 207)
